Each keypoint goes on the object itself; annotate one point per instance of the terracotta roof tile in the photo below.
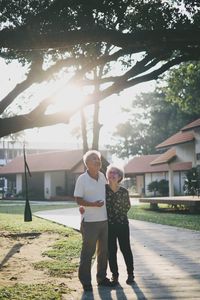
(192, 125)
(49, 161)
(181, 166)
(142, 164)
(178, 138)
(165, 157)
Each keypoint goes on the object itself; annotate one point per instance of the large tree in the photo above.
(146, 38)
(183, 87)
(150, 120)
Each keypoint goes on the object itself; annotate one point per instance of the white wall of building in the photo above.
(47, 185)
(57, 180)
(52, 180)
(185, 153)
(197, 147)
(18, 183)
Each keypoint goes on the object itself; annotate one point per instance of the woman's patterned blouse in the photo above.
(117, 204)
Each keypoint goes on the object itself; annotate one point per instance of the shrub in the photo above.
(162, 187)
(192, 182)
(153, 186)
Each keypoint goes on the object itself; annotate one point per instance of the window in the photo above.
(198, 156)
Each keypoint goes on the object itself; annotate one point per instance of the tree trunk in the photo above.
(96, 125)
(84, 132)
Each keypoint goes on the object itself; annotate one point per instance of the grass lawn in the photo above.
(16, 223)
(165, 215)
(63, 255)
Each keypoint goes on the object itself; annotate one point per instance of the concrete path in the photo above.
(167, 262)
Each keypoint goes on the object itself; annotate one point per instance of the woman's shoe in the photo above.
(130, 279)
(105, 282)
(114, 280)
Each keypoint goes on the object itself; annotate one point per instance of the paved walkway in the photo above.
(167, 262)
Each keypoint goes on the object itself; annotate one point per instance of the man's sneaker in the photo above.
(105, 282)
(87, 287)
(114, 280)
(130, 279)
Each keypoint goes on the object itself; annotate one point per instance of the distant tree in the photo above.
(183, 87)
(155, 120)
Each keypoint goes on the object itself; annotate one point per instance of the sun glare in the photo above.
(68, 98)
(64, 98)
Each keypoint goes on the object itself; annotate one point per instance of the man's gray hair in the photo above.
(89, 153)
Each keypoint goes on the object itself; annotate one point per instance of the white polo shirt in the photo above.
(92, 190)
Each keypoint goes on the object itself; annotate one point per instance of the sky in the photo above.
(60, 135)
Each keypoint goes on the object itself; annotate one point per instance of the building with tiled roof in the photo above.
(181, 153)
(165, 157)
(48, 161)
(178, 138)
(192, 125)
(53, 174)
(10, 149)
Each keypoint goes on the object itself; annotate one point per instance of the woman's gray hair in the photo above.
(89, 153)
(119, 170)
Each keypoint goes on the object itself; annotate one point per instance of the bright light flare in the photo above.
(68, 98)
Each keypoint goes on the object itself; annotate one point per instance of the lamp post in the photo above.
(27, 210)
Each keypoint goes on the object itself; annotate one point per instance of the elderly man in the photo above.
(90, 193)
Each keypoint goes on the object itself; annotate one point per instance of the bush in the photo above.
(162, 187)
(153, 186)
(192, 182)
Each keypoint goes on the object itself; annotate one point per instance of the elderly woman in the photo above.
(118, 204)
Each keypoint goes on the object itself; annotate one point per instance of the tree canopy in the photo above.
(155, 120)
(183, 87)
(144, 38)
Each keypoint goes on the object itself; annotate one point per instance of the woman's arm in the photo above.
(82, 202)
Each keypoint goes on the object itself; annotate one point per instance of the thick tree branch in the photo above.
(87, 29)
(39, 75)
(21, 40)
(33, 119)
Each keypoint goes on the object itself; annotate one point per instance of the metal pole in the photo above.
(27, 210)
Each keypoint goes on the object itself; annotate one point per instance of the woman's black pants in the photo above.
(119, 233)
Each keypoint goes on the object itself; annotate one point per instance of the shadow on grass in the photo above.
(12, 252)
(16, 248)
